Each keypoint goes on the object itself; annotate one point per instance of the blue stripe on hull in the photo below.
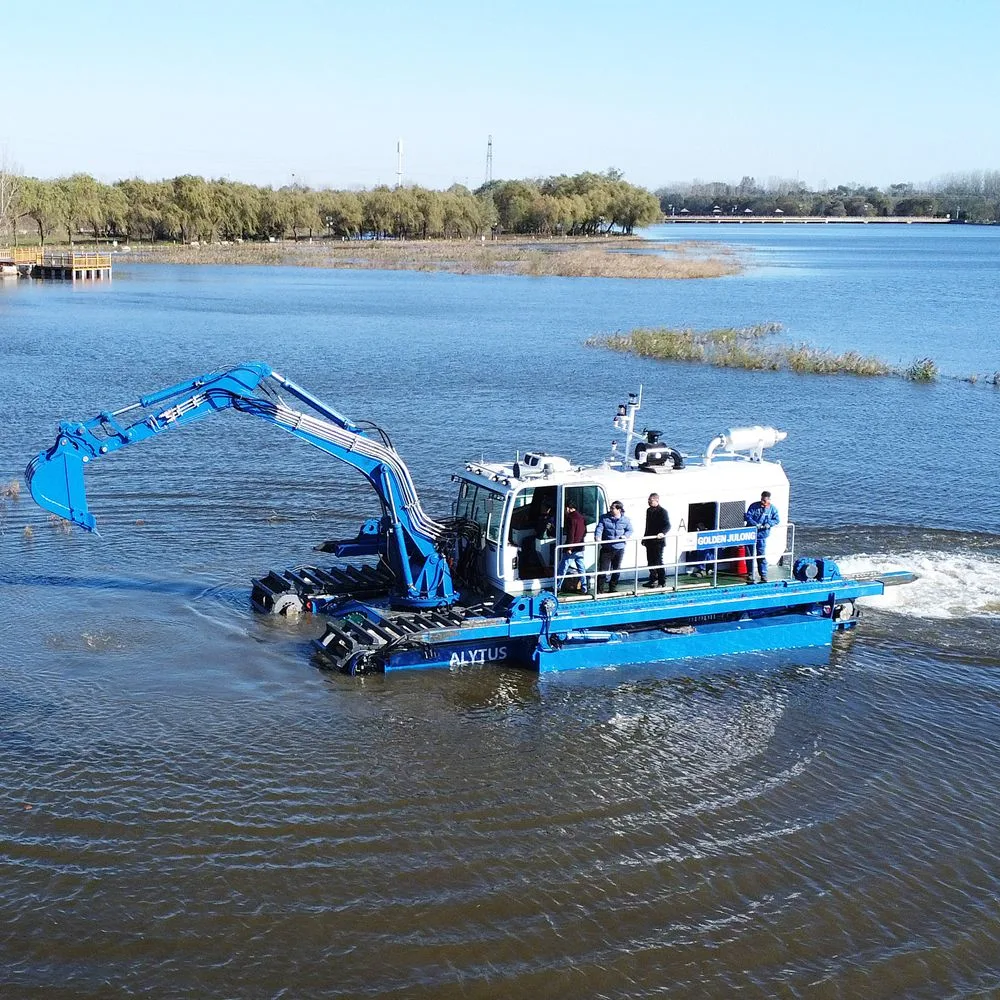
(717, 639)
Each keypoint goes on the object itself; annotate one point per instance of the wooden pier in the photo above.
(31, 262)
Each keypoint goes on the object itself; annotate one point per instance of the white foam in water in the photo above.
(951, 584)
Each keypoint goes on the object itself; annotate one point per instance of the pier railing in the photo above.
(37, 262)
(66, 259)
(74, 260)
(20, 255)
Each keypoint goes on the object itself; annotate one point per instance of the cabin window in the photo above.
(587, 500)
(484, 506)
(466, 496)
(530, 507)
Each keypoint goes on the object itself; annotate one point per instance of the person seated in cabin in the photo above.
(545, 531)
(545, 522)
(694, 563)
(521, 519)
(522, 534)
(699, 561)
(530, 523)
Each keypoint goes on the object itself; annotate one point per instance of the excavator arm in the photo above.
(412, 543)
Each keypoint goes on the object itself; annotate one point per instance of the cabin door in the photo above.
(532, 531)
(591, 502)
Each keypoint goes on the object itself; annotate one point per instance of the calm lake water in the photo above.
(189, 808)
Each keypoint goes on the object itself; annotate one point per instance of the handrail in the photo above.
(75, 259)
(677, 568)
(57, 258)
(20, 255)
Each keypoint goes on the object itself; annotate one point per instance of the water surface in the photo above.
(189, 808)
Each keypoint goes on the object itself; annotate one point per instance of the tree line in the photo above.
(969, 197)
(190, 208)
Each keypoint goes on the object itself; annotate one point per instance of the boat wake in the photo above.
(951, 584)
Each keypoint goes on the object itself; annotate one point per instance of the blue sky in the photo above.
(319, 93)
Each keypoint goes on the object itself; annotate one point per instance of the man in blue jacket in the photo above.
(763, 516)
(611, 531)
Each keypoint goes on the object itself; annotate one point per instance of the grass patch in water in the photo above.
(813, 361)
(741, 347)
(922, 370)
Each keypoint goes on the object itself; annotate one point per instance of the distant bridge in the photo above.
(807, 219)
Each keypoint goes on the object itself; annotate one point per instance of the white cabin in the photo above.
(701, 494)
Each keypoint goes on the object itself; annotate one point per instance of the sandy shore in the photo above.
(616, 257)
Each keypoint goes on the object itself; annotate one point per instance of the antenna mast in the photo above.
(399, 163)
(489, 159)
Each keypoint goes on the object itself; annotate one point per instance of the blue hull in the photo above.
(543, 634)
(718, 639)
(583, 650)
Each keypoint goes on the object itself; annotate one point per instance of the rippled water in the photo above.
(189, 808)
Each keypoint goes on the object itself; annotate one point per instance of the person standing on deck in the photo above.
(575, 528)
(613, 527)
(763, 516)
(654, 539)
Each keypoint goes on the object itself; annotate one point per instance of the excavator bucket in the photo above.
(55, 479)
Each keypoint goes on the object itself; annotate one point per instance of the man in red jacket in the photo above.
(575, 530)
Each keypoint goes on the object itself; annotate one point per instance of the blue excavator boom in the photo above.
(412, 543)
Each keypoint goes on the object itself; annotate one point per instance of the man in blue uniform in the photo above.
(613, 528)
(763, 516)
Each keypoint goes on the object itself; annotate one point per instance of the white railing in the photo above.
(684, 565)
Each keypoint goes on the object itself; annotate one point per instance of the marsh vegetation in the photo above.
(745, 347)
(594, 257)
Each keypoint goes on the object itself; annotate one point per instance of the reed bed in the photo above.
(922, 370)
(618, 257)
(742, 347)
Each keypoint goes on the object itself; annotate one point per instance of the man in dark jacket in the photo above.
(657, 526)
(575, 529)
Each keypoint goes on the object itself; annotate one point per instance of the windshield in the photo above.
(482, 505)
